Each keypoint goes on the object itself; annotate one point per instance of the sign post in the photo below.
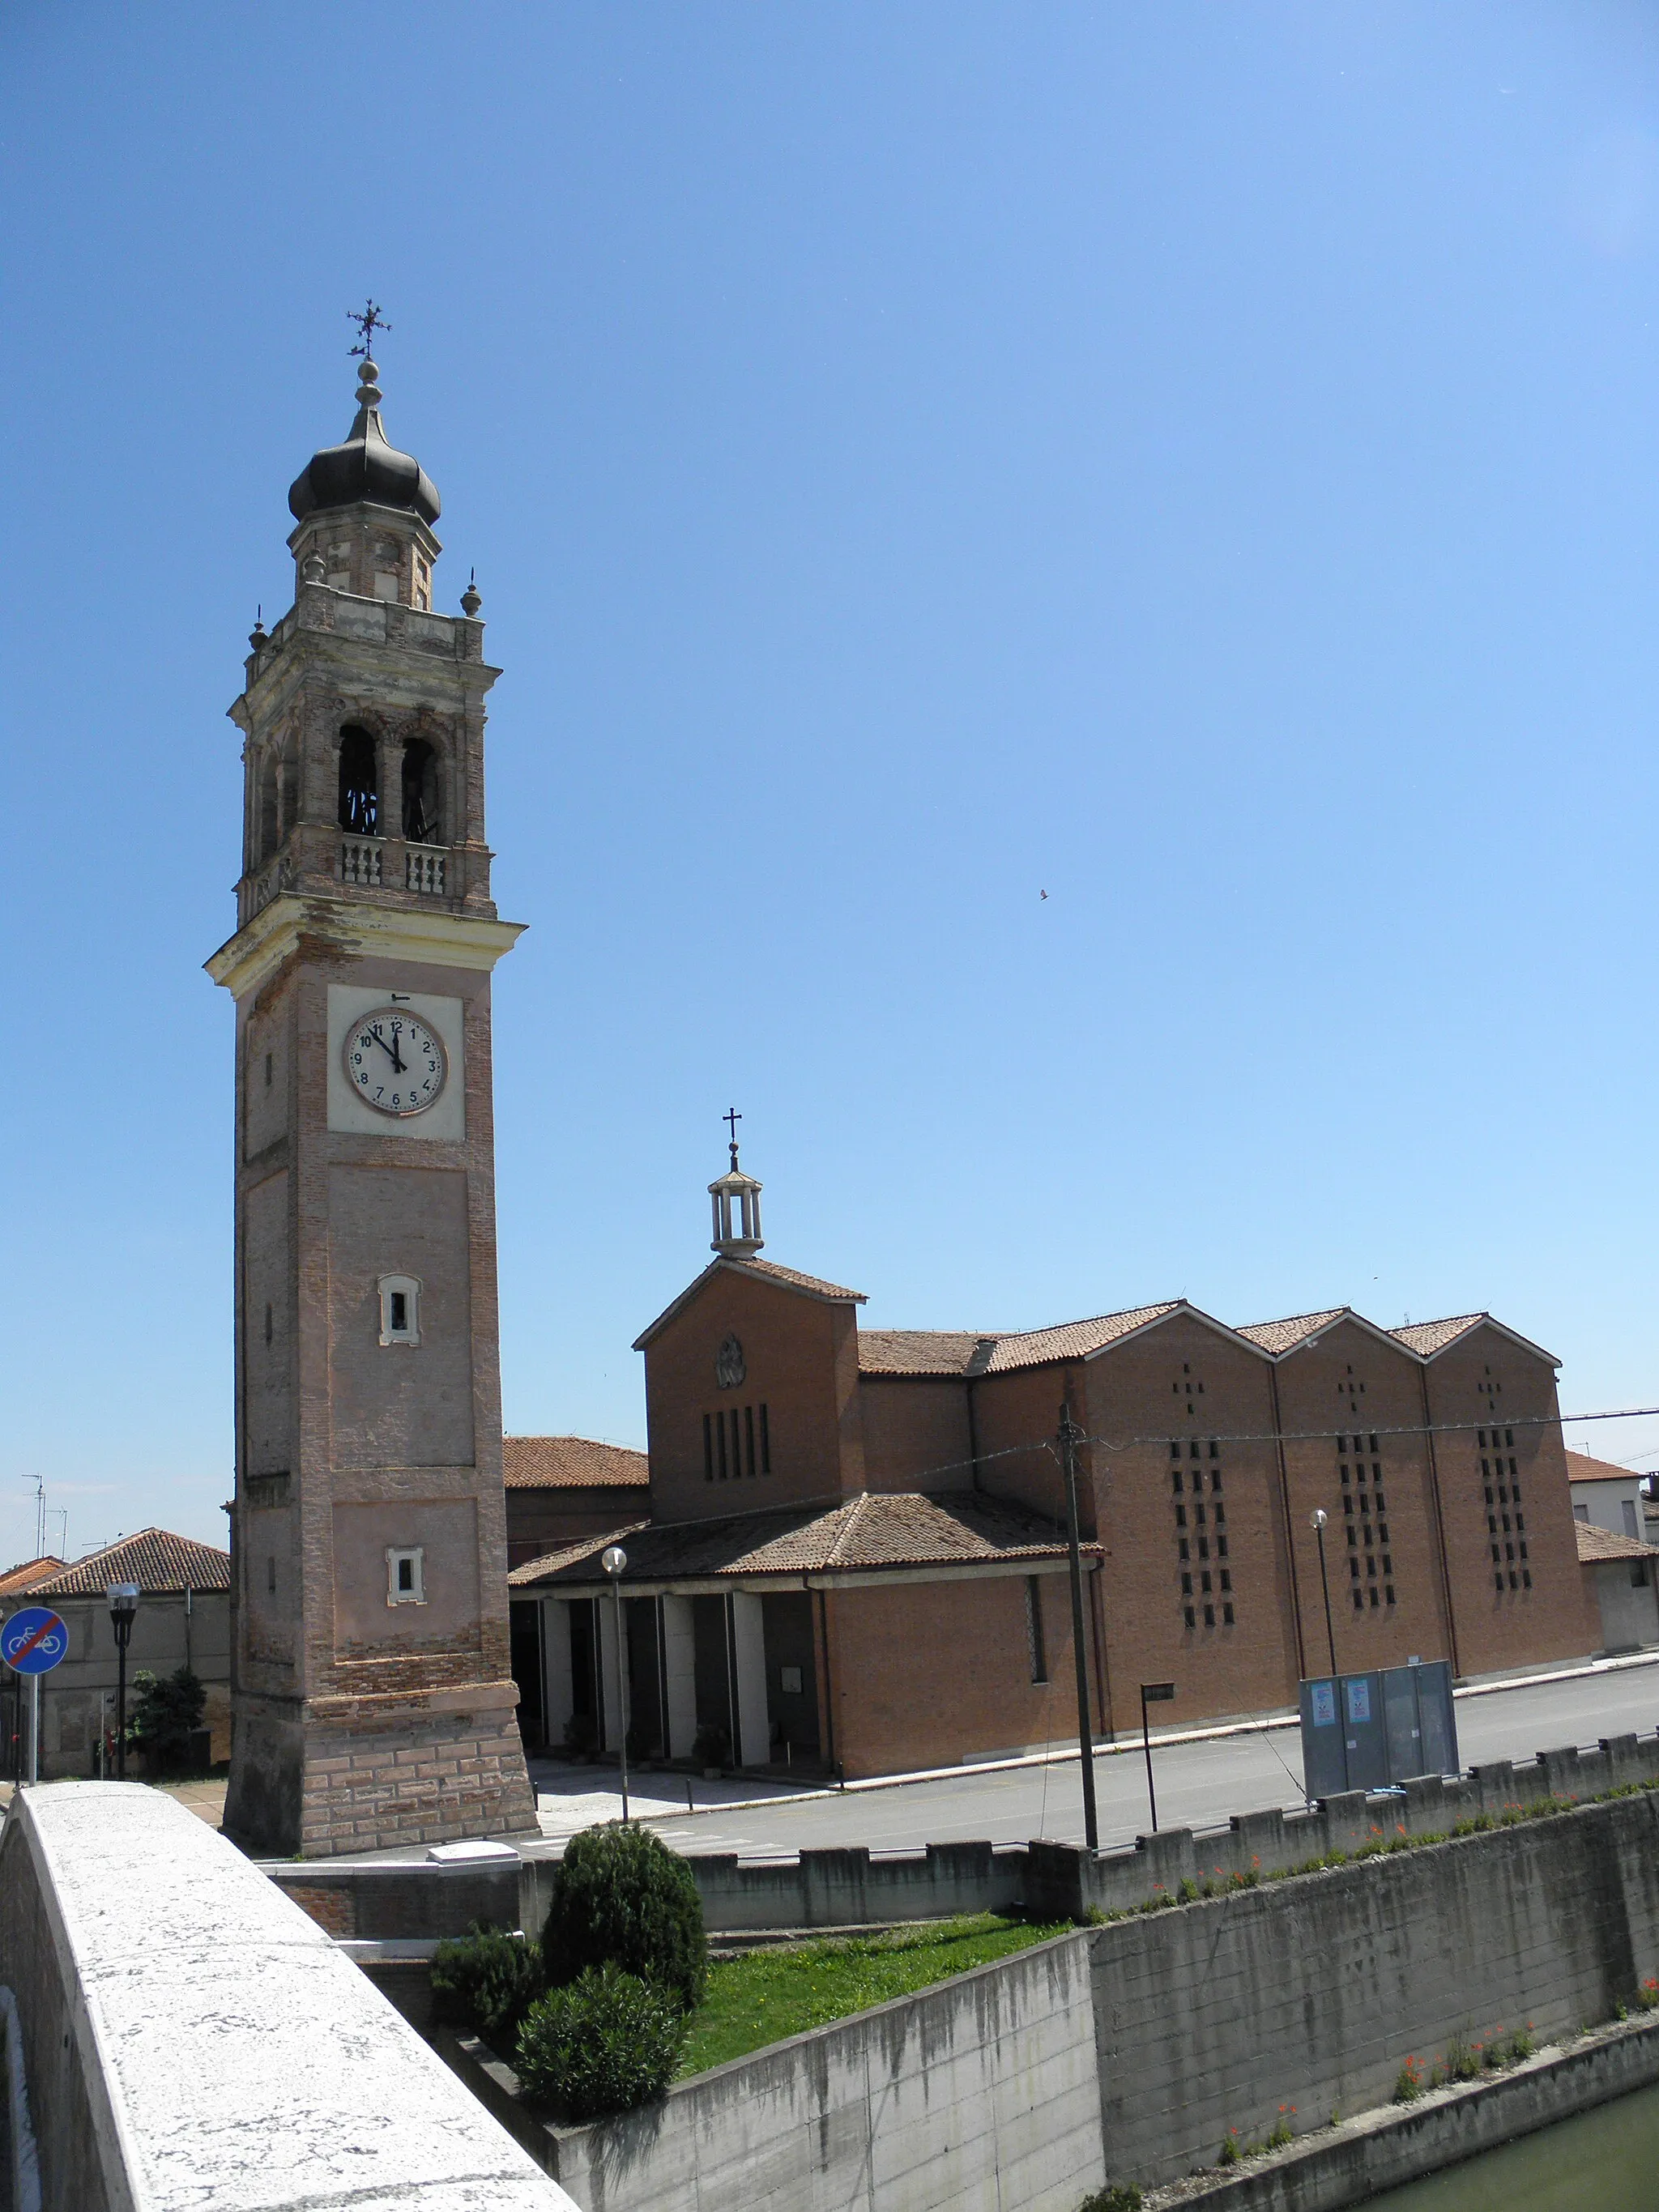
(32, 1643)
(1152, 1693)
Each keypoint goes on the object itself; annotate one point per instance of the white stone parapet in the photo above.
(228, 2052)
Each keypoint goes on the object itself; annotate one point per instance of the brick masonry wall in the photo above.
(796, 1353)
(1138, 1398)
(432, 1779)
(928, 1673)
(1479, 1388)
(915, 1434)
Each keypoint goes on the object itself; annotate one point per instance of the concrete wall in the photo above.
(978, 2096)
(192, 2039)
(1311, 1993)
(1293, 1996)
(1379, 2150)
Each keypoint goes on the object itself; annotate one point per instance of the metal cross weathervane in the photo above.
(368, 320)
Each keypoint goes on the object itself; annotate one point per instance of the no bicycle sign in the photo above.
(33, 1641)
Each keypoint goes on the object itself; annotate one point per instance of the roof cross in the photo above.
(732, 1118)
(370, 320)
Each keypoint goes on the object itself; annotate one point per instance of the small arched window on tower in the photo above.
(400, 1308)
(360, 793)
(422, 812)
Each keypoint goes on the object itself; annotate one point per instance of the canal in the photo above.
(1605, 2160)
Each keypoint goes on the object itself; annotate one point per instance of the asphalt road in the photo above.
(1199, 1784)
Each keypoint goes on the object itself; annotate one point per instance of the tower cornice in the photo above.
(435, 938)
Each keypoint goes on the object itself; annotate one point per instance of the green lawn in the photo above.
(761, 1999)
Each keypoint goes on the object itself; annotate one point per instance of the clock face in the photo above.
(395, 1061)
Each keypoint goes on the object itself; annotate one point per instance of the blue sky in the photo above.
(1197, 462)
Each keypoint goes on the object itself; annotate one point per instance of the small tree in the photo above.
(622, 1898)
(166, 1713)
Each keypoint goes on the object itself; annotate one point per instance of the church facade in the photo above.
(373, 1701)
(852, 1554)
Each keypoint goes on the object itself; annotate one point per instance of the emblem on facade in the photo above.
(729, 1369)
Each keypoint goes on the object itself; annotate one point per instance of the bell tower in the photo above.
(373, 1695)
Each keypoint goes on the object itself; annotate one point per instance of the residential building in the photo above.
(183, 1620)
(1619, 1562)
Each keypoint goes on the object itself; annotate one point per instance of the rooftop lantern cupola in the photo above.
(736, 1200)
(365, 511)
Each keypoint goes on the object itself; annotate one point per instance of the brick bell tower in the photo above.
(372, 1696)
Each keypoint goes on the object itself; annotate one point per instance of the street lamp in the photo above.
(123, 1608)
(1316, 1520)
(613, 1560)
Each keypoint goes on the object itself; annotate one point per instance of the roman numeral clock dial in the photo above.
(395, 1061)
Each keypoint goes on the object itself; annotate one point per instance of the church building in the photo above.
(851, 1554)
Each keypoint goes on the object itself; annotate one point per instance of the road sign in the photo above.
(33, 1641)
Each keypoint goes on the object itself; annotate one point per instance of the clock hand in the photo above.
(396, 1057)
(396, 1064)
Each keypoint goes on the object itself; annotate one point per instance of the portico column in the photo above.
(679, 1675)
(613, 1726)
(754, 1720)
(558, 1702)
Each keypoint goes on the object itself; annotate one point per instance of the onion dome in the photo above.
(364, 468)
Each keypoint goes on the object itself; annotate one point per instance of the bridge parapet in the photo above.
(191, 2038)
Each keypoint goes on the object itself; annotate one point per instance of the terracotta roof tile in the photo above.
(796, 1281)
(571, 1463)
(30, 1572)
(1072, 1340)
(1596, 1545)
(973, 1351)
(1427, 1337)
(1581, 1467)
(1277, 1336)
(876, 1530)
(158, 1562)
(919, 1351)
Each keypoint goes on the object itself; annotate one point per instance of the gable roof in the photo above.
(161, 1564)
(1280, 1336)
(1581, 1467)
(30, 1572)
(1596, 1545)
(1428, 1339)
(571, 1463)
(872, 1531)
(762, 1270)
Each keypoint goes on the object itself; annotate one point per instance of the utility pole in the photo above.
(1069, 1433)
(1317, 1518)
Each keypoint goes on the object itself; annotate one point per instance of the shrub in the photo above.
(580, 1734)
(605, 2043)
(1230, 2151)
(1116, 2196)
(1408, 2083)
(166, 1714)
(486, 1980)
(623, 1900)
